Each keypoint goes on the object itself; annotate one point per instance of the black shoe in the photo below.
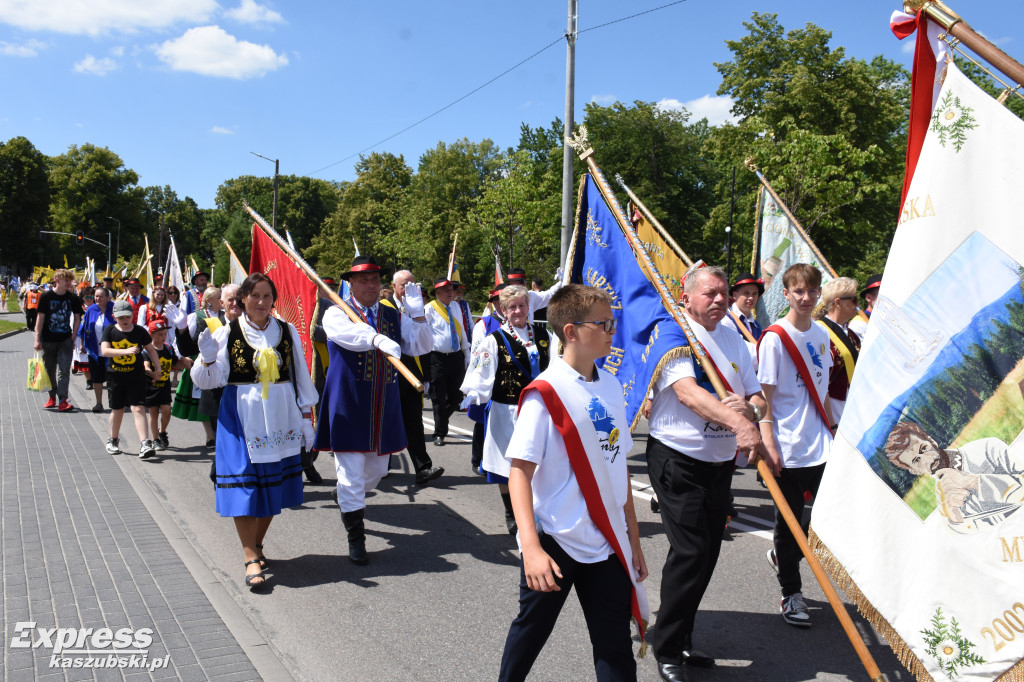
(672, 672)
(356, 537)
(697, 659)
(313, 476)
(97, 408)
(655, 506)
(479, 470)
(428, 475)
(439, 441)
(510, 524)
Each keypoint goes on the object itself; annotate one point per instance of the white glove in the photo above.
(559, 274)
(413, 300)
(208, 346)
(308, 435)
(387, 346)
(466, 402)
(174, 315)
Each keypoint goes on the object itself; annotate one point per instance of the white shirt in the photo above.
(803, 437)
(358, 337)
(441, 333)
(540, 299)
(859, 326)
(727, 321)
(558, 502)
(679, 427)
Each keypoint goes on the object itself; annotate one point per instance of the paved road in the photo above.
(441, 588)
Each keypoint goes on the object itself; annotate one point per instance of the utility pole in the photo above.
(567, 150)
(728, 228)
(277, 168)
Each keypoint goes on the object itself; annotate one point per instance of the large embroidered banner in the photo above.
(919, 513)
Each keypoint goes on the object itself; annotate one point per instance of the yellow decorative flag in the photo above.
(66, 260)
(670, 266)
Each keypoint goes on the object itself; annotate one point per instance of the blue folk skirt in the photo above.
(245, 488)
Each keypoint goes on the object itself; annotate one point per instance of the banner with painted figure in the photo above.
(778, 243)
(920, 513)
(672, 269)
(646, 336)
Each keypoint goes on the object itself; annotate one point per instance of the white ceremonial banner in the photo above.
(919, 513)
(781, 245)
(236, 271)
(172, 271)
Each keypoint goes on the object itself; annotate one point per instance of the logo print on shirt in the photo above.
(607, 433)
(815, 358)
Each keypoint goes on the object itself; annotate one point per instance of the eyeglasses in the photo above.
(800, 293)
(607, 325)
(847, 298)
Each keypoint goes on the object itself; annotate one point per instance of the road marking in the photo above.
(467, 435)
(645, 492)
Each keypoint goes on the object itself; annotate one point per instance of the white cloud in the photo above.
(96, 67)
(251, 13)
(715, 109)
(604, 100)
(220, 130)
(102, 16)
(29, 48)
(118, 51)
(211, 51)
(908, 46)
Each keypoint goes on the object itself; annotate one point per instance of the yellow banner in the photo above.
(671, 267)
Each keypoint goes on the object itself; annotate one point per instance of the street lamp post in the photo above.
(118, 250)
(277, 167)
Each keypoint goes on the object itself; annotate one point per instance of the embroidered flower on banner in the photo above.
(948, 646)
(952, 120)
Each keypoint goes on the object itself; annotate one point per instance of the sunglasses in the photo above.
(607, 325)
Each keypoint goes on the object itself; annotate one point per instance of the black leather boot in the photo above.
(356, 537)
(510, 517)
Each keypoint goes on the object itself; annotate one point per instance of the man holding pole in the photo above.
(359, 416)
(690, 452)
(793, 368)
(450, 356)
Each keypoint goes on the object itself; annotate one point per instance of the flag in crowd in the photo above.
(236, 271)
(669, 265)
(919, 512)
(172, 271)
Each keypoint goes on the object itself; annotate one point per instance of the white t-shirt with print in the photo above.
(803, 436)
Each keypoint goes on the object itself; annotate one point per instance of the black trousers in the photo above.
(604, 591)
(479, 433)
(30, 318)
(447, 370)
(694, 499)
(794, 483)
(412, 416)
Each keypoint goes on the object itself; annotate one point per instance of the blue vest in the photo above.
(478, 413)
(360, 410)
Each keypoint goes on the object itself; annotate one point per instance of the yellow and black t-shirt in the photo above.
(127, 367)
(167, 360)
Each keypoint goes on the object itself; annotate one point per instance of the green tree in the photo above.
(24, 202)
(1014, 102)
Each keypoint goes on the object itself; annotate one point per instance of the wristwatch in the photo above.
(757, 412)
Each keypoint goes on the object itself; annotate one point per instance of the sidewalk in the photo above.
(82, 547)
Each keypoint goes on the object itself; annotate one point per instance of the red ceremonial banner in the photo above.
(296, 293)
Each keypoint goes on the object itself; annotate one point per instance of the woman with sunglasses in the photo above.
(499, 369)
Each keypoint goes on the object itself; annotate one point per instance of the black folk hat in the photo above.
(874, 281)
(748, 278)
(443, 282)
(199, 274)
(516, 274)
(362, 264)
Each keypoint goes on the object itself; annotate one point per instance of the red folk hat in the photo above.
(363, 264)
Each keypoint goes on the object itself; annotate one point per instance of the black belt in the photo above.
(699, 462)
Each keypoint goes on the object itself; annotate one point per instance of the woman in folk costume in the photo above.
(501, 367)
(360, 417)
(186, 398)
(264, 417)
(159, 305)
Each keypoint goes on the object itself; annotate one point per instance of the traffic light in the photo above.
(79, 238)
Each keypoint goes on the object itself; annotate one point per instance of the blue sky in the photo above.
(184, 90)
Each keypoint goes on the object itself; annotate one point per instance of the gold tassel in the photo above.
(266, 363)
(643, 642)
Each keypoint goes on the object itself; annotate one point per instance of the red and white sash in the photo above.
(570, 416)
(725, 368)
(801, 367)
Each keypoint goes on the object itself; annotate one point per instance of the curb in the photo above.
(16, 331)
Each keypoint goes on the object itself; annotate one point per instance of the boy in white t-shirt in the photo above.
(572, 421)
(799, 424)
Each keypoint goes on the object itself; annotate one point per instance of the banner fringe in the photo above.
(845, 583)
(677, 352)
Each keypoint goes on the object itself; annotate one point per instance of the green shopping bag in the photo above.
(38, 379)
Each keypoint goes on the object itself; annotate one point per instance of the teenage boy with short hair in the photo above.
(793, 368)
(123, 343)
(60, 311)
(568, 457)
(158, 391)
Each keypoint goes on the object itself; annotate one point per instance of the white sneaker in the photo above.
(794, 611)
(772, 561)
(112, 447)
(147, 449)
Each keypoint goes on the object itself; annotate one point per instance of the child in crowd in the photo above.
(158, 391)
(122, 344)
(568, 471)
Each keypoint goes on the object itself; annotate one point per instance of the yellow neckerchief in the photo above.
(415, 357)
(442, 310)
(844, 352)
(265, 358)
(213, 324)
(862, 315)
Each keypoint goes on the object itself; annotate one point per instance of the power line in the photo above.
(481, 87)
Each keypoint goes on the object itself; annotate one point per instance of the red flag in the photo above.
(497, 272)
(296, 293)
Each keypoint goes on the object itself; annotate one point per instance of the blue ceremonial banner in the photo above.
(646, 336)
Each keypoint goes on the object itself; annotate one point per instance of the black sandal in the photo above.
(264, 564)
(250, 578)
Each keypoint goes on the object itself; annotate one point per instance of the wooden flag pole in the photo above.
(792, 219)
(677, 250)
(231, 253)
(311, 273)
(586, 154)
